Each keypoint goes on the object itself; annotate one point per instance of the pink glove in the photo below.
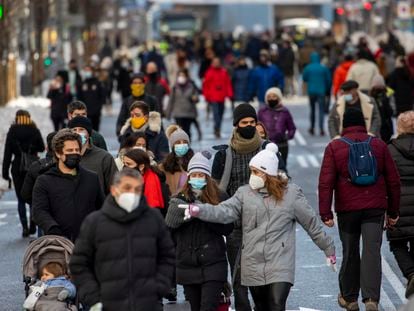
(331, 262)
(191, 210)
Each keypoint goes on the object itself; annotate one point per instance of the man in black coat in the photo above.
(66, 193)
(124, 256)
(138, 94)
(92, 94)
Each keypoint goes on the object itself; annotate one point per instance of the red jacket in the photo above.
(334, 177)
(217, 85)
(152, 189)
(340, 75)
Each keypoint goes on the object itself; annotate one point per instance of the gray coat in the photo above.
(269, 232)
(181, 104)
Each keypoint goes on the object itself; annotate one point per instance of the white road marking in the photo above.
(302, 161)
(386, 302)
(301, 140)
(2, 223)
(292, 142)
(394, 280)
(313, 160)
(2, 216)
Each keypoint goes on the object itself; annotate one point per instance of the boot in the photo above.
(32, 228)
(410, 286)
(371, 305)
(348, 305)
(311, 131)
(217, 133)
(25, 232)
(172, 295)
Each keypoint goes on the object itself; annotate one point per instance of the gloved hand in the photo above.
(63, 295)
(97, 307)
(331, 262)
(191, 210)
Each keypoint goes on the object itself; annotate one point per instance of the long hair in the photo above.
(23, 118)
(141, 157)
(210, 194)
(276, 186)
(173, 164)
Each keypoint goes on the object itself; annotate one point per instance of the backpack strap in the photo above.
(347, 141)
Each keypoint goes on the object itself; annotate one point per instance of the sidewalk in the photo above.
(39, 110)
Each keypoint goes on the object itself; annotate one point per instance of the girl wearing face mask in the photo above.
(277, 120)
(136, 140)
(269, 208)
(182, 104)
(200, 251)
(175, 164)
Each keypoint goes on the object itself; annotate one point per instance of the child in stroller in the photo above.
(46, 275)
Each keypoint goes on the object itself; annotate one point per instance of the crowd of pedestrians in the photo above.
(161, 214)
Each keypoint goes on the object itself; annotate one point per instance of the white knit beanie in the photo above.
(267, 160)
(200, 163)
(274, 90)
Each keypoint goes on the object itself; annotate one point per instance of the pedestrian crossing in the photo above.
(306, 160)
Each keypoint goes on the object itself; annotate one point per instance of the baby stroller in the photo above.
(44, 250)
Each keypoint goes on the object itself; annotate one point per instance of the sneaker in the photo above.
(371, 305)
(410, 287)
(348, 305)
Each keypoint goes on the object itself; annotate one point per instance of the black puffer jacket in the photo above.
(62, 201)
(92, 94)
(201, 250)
(123, 260)
(402, 151)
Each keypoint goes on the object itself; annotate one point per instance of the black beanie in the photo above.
(243, 111)
(80, 121)
(353, 117)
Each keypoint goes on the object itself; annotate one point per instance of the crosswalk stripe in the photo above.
(302, 161)
(301, 140)
(393, 279)
(386, 302)
(2, 216)
(313, 160)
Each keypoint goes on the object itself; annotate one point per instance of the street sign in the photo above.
(404, 10)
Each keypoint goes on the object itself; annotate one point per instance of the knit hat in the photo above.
(80, 121)
(353, 117)
(200, 163)
(243, 111)
(274, 90)
(175, 133)
(405, 123)
(349, 85)
(378, 81)
(267, 160)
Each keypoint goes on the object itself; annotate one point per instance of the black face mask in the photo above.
(153, 76)
(247, 132)
(72, 160)
(273, 103)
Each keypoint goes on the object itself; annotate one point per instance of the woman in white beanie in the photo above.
(269, 208)
(201, 265)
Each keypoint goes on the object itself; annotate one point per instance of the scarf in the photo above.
(242, 145)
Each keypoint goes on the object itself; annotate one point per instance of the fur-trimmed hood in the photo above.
(154, 124)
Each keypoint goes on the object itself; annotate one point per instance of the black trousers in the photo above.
(271, 297)
(241, 293)
(96, 120)
(185, 124)
(361, 272)
(205, 296)
(284, 151)
(403, 251)
(58, 123)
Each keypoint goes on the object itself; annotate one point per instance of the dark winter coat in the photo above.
(402, 151)
(158, 89)
(286, 61)
(200, 250)
(278, 122)
(401, 82)
(383, 104)
(124, 115)
(36, 169)
(62, 201)
(123, 260)
(181, 104)
(98, 140)
(26, 138)
(240, 82)
(92, 94)
(334, 177)
(317, 77)
(263, 78)
(60, 98)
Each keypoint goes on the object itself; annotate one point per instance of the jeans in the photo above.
(218, 112)
(403, 251)
(361, 272)
(320, 100)
(21, 208)
(271, 297)
(205, 296)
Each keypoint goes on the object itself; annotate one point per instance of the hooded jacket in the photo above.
(217, 85)
(278, 122)
(62, 201)
(402, 151)
(124, 260)
(339, 76)
(262, 78)
(317, 77)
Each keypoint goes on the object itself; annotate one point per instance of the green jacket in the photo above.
(98, 140)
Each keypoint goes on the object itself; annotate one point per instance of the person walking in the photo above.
(240, 81)
(183, 100)
(317, 78)
(287, 61)
(268, 208)
(340, 73)
(278, 121)
(201, 251)
(401, 236)
(23, 143)
(216, 88)
(352, 98)
(155, 85)
(65, 194)
(359, 169)
(132, 239)
(60, 96)
(363, 71)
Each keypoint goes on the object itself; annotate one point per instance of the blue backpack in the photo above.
(362, 164)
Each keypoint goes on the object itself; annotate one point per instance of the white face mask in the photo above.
(181, 80)
(128, 201)
(256, 182)
(140, 148)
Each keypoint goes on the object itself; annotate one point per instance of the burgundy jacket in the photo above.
(278, 122)
(334, 177)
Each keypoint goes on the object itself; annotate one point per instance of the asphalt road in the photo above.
(316, 286)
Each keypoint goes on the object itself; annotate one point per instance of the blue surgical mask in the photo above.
(87, 74)
(181, 149)
(197, 183)
(83, 138)
(348, 97)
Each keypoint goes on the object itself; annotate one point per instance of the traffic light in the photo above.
(1, 11)
(47, 62)
(340, 11)
(367, 6)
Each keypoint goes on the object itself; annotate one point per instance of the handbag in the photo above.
(26, 159)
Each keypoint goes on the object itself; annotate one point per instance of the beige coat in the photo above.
(363, 71)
